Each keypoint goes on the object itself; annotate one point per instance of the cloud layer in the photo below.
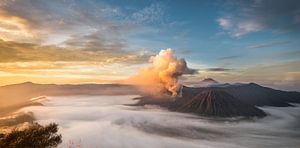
(82, 119)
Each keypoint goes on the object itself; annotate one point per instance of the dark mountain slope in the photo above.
(216, 103)
(258, 95)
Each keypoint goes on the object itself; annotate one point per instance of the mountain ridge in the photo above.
(251, 94)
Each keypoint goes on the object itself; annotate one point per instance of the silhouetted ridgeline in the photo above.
(224, 100)
(252, 93)
(17, 94)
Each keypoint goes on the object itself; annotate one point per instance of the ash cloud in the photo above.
(163, 72)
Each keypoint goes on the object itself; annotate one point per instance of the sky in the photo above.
(93, 41)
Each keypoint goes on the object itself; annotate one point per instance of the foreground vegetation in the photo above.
(35, 136)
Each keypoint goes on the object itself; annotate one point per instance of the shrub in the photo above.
(35, 136)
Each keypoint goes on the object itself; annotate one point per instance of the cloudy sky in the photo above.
(73, 41)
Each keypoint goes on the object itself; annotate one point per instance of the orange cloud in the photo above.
(163, 72)
(14, 28)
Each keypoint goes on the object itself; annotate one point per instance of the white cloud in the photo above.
(225, 23)
(239, 28)
(150, 14)
(247, 27)
(244, 17)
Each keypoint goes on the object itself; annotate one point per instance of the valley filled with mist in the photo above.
(110, 121)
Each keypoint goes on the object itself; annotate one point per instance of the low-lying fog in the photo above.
(103, 121)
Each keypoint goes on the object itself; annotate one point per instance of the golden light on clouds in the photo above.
(38, 63)
(62, 72)
(80, 56)
(14, 28)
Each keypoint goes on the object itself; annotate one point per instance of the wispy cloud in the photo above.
(238, 29)
(264, 45)
(11, 51)
(218, 69)
(43, 19)
(77, 24)
(225, 23)
(257, 15)
(150, 14)
(229, 57)
(245, 27)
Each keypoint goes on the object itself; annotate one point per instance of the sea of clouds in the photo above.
(106, 121)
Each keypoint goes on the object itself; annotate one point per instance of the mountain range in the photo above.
(224, 100)
(213, 99)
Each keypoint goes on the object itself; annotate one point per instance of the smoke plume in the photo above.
(162, 75)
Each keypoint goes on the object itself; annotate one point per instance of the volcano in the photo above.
(210, 103)
(216, 103)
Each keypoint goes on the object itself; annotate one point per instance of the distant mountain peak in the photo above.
(20, 84)
(28, 82)
(253, 84)
(209, 80)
